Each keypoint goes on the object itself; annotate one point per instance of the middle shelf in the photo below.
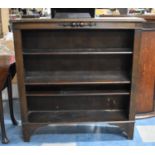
(77, 69)
(81, 51)
(77, 90)
(76, 77)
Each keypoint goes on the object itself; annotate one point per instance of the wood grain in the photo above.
(145, 91)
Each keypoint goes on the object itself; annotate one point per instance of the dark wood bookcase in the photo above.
(77, 70)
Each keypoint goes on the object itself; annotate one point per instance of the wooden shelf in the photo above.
(76, 77)
(77, 51)
(76, 90)
(77, 116)
(75, 93)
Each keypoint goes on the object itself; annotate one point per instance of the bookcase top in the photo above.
(101, 19)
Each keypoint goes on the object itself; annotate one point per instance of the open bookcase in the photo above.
(71, 73)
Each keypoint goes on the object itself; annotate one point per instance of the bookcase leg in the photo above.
(29, 129)
(26, 134)
(128, 129)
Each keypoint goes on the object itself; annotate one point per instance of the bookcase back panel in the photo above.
(49, 63)
(78, 102)
(77, 38)
(65, 89)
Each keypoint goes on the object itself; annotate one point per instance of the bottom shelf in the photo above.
(77, 116)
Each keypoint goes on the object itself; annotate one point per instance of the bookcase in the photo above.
(77, 71)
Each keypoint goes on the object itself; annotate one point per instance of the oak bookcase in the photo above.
(77, 70)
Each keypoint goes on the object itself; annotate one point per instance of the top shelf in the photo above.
(77, 51)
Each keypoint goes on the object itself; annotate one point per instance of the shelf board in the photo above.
(77, 93)
(77, 116)
(76, 77)
(77, 51)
